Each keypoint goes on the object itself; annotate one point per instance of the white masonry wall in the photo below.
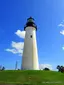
(30, 54)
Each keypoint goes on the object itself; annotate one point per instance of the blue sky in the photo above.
(49, 17)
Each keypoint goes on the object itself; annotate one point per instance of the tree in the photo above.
(47, 69)
(60, 68)
(0, 67)
(3, 68)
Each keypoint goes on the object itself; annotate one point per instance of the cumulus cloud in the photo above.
(17, 48)
(20, 33)
(61, 25)
(42, 66)
(62, 32)
(17, 45)
(63, 47)
(12, 50)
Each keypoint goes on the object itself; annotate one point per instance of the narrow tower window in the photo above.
(31, 36)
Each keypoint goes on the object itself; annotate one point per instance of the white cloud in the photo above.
(12, 50)
(63, 47)
(42, 66)
(17, 45)
(17, 48)
(62, 32)
(20, 33)
(61, 25)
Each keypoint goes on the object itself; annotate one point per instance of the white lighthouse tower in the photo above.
(30, 54)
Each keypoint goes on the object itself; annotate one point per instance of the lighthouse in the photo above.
(30, 53)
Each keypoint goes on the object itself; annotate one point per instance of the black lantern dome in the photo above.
(30, 23)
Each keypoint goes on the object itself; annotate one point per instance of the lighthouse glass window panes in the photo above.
(30, 20)
(31, 36)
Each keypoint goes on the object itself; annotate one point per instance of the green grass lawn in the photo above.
(31, 77)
